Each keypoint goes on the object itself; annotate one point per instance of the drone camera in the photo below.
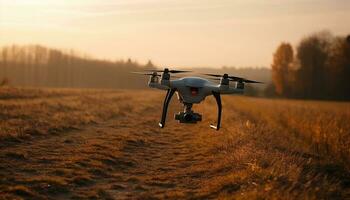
(188, 117)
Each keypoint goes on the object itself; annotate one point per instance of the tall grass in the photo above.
(324, 126)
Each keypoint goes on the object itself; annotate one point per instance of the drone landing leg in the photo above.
(167, 99)
(218, 101)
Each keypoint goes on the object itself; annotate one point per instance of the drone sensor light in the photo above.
(194, 91)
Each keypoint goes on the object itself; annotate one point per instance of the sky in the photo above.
(175, 33)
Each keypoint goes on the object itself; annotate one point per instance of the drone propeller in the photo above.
(250, 81)
(149, 74)
(214, 75)
(232, 78)
(166, 70)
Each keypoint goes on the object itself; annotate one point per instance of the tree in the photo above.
(149, 65)
(282, 59)
(312, 55)
(338, 69)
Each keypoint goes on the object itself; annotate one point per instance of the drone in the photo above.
(193, 90)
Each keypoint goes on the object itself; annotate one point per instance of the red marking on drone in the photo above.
(194, 91)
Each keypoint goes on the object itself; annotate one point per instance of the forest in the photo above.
(318, 68)
(39, 66)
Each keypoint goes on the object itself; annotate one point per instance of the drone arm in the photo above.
(218, 101)
(167, 99)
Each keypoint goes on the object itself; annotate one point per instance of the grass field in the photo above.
(106, 144)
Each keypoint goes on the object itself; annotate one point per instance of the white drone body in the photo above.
(193, 90)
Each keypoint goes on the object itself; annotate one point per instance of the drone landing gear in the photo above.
(218, 102)
(167, 99)
(188, 116)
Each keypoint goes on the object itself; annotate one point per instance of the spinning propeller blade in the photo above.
(166, 70)
(214, 75)
(216, 79)
(251, 81)
(149, 74)
(232, 78)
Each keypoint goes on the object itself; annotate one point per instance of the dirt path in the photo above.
(129, 157)
(115, 159)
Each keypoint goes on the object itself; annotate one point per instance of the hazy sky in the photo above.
(171, 32)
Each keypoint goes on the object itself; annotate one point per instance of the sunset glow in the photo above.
(172, 33)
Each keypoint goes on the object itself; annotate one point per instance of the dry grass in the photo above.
(27, 113)
(323, 125)
(105, 144)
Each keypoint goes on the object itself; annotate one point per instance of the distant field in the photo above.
(106, 144)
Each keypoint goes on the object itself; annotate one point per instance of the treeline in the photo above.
(35, 65)
(318, 68)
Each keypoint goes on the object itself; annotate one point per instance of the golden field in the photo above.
(106, 144)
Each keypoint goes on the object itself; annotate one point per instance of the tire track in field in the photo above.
(116, 159)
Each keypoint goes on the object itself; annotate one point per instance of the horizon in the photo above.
(245, 33)
(82, 54)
